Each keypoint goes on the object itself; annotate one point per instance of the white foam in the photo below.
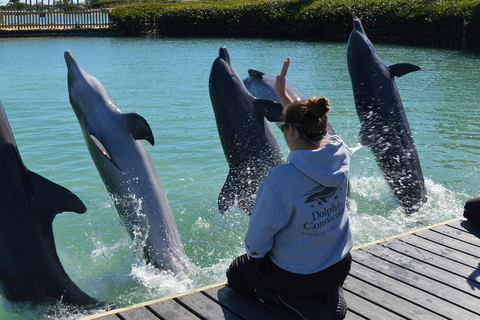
(376, 214)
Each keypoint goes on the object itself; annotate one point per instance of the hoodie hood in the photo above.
(328, 165)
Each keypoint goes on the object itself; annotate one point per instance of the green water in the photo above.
(166, 81)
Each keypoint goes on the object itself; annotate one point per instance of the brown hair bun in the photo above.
(318, 106)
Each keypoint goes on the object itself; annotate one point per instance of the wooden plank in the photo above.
(137, 314)
(458, 234)
(379, 303)
(414, 295)
(364, 309)
(446, 252)
(353, 314)
(244, 307)
(204, 307)
(449, 242)
(466, 273)
(444, 277)
(110, 317)
(456, 299)
(466, 226)
(171, 309)
(146, 303)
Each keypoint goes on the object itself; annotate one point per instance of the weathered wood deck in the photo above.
(429, 273)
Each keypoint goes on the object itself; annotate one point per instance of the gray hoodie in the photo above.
(300, 215)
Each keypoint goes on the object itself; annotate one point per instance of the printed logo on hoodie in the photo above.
(321, 194)
(325, 209)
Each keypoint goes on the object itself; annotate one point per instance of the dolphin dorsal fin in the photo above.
(139, 127)
(255, 74)
(53, 198)
(272, 110)
(400, 69)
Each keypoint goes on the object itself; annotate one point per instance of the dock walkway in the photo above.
(429, 273)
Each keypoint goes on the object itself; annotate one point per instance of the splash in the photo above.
(375, 214)
(155, 283)
(356, 148)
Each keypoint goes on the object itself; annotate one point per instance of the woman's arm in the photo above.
(269, 216)
(280, 83)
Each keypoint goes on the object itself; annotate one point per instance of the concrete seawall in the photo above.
(92, 32)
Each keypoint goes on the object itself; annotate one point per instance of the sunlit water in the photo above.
(166, 81)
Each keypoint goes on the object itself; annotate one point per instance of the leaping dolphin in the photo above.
(262, 86)
(248, 141)
(30, 269)
(114, 140)
(384, 125)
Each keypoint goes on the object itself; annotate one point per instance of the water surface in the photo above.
(166, 81)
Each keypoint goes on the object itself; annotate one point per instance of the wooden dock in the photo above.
(429, 273)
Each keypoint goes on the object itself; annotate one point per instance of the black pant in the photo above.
(248, 275)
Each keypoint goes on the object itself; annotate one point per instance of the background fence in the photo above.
(54, 19)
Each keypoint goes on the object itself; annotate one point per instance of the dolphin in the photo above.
(30, 270)
(114, 140)
(248, 142)
(262, 86)
(384, 125)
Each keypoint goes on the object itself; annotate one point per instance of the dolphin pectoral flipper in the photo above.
(226, 198)
(363, 137)
(102, 149)
(272, 110)
(400, 69)
(100, 146)
(237, 191)
(53, 198)
(139, 127)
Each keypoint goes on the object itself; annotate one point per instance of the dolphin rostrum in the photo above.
(114, 140)
(30, 269)
(248, 141)
(384, 125)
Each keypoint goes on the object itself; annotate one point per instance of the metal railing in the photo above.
(54, 19)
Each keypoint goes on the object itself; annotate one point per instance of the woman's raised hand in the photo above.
(280, 83)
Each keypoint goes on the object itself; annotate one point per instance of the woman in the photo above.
(299, 239)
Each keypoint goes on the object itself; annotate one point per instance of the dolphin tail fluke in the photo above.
(236, 192)
(400, 69)
(54, 198)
